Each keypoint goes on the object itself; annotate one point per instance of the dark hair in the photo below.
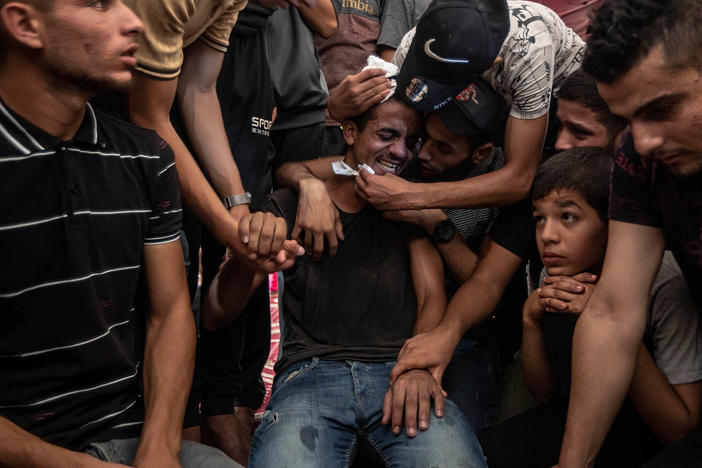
(623, 32)
(362, 120)
(584, 170)
(580, 88)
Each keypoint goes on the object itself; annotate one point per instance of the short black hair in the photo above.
(623, 32)
(584, 170)
(362, 120)
(581, 88)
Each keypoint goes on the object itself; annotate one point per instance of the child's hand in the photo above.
(568, 294)
(533, 310)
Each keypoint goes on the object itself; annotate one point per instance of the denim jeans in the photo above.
(192, 454)
(319, 409)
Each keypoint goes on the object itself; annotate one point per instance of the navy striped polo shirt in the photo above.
(74, 219)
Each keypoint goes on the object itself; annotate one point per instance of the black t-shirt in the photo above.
(514, 230)
(644, 191)
(359, 305)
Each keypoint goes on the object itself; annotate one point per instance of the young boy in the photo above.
(569, 196)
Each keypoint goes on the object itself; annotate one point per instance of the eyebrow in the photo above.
(393, 131)
(577, 127)
(666, 99)
(567, 204)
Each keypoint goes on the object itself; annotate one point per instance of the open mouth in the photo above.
(388, 166)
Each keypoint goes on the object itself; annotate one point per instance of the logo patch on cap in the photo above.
(471, 92)
(417, 89)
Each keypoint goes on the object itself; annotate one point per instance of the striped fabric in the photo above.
(74, 219)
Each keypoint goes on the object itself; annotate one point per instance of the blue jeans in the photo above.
(192, 454)
(319, 409)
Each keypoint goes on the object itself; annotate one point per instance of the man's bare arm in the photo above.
(20, 449)
(472, 304)
(458, 257)
(169, 355)
(317, 217)
(202, 116)
(524, 141)
(150, 101)
(428, 281)
(410, 396)
(319, 16)
(670, 411)
(537, 369)
(607, 338)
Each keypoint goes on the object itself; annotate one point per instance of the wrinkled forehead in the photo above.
(399, 117)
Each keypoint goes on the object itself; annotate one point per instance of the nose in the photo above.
(131, 24)
(564, 141)
(548, 232)
(424, 153)
(647, 137)
(398, 149)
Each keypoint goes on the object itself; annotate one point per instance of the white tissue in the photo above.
(341, 168)
(391, 72)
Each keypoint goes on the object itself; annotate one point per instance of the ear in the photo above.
(350, 132)
(481, 152)
(22, 23)
(497, 61)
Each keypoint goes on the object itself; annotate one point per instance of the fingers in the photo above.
(308, 241)
(317, 246)
(373, 96)
(398, 404)
(424, 406)
(565, 283)
(411, 405)
(438, 394)
(244, 228)
(553, 305)
(296, 231)
(361, 184)
(387, 407)
(332, 243)
(279, 234)
(338, 227)
(255, 225)
(586, 277)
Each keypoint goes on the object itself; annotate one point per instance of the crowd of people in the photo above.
(485, 215)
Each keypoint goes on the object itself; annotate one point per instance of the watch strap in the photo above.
(236, 200)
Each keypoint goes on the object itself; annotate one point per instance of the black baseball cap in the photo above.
(455, 42)
(476, 110)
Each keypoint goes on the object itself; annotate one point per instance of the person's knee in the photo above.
(450, 441)
(196, 455)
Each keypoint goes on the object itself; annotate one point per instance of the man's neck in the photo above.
(342, 192)
(37, 98)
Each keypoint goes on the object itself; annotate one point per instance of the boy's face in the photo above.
(664, 108)
(387, 141)
(570, 235)
(579, 127)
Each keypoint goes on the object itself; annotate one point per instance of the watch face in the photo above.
(444, 231)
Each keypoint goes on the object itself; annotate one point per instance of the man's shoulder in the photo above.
(126, 135)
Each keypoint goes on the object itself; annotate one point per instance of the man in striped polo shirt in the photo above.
(89, 224)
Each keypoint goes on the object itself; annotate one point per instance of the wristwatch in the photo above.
(236, 200)
(444, 231)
